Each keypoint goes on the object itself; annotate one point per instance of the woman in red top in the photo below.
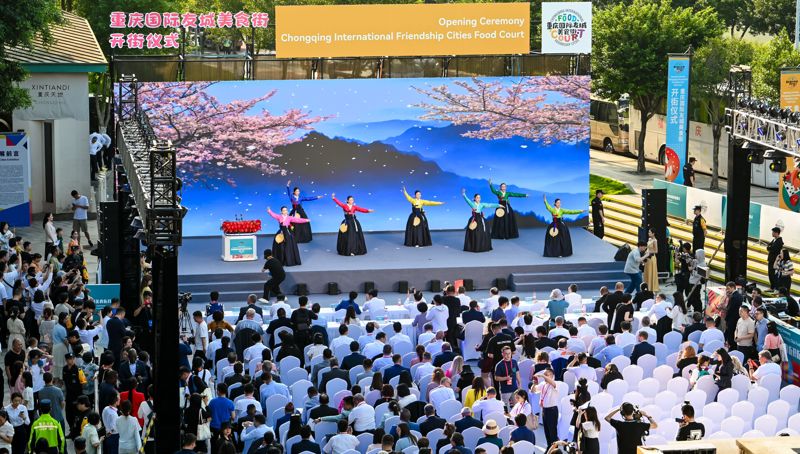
(351, 237)
(134, 396)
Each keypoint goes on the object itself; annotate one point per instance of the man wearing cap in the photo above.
(688, 172)
(774, 249)
(698, 229)
(47, 428)
(598, 214)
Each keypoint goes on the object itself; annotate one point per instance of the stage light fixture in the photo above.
(785, 113)
(755, 157)
(744, 103)
(778, 165)
(137, 223)
(763, 107)
(774, 112)
(795, 117)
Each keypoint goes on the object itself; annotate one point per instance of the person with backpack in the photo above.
(301, 321)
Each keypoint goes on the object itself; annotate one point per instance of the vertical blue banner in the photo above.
(678, 68)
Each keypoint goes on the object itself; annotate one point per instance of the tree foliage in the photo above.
(710, 68)
(21, 22)
(499, 112)
(631, 44)
(778, 53)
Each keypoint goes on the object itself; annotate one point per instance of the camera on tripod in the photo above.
(184, 298)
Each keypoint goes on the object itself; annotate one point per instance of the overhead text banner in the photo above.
(677, 116)
(402, 30)
(789, 183)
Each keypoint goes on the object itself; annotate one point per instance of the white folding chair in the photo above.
(728, 397)
(634, 397)
(662, 374)
(490, 448)
(364, 440)
(794, 422)
(672, 361)
(273, 403)
(791, 394)
(335, 385)
(403, 348)
(338, 397)
(602, 402)
(633, 374)
(355, 372)
(745, 411)
(322, 430)
(767, 424)
(697, 398)
(679, 386)
(667, 428)
(621, 362)
(379, 411)
(742, 384)
(299, 392)
(661, 352)
(473, 335)
(505, 435)
(290, 442)
(665, 400)
(773, 384)
(286, 364)
(719, 436)
(617, 388)
(759, 397)
(295, 375)
(372, 396)
(449, 408)
(739, 355)
(523, 447)
(716, 412)
(780, 410)
(673, 340)
(472, 435)
(648, 363)
(649, 388)
(706, 383)
(734, 425)
(753, 434)
(434, 436)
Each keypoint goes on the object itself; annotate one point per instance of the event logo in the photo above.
(567, 27)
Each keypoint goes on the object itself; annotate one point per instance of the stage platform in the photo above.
(520, 261)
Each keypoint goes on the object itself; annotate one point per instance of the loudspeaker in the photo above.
(333, 288)
(109, 241)
(500, 283)
(654, 216)
(402, 287)
(369, 286)
(468, 285)
(436, 285)
(301, 289)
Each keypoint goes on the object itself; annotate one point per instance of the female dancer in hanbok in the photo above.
(417, 231)
(302, 232)
(557, 242)
(477, 237)
(351, 237)
(284, 245)
(504, 225)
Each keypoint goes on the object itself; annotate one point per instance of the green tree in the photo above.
(631, 44)
(23, 24)
(778, 53)
(773, 16)
(710, 67)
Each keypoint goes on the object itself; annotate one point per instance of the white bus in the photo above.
(701, 143)
(609, 125)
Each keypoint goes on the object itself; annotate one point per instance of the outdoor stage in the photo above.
(520, 261)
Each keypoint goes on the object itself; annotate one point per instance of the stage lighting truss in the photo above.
(760, 128)
(150, 165)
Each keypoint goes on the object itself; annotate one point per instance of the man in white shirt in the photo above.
(488, 404)
(253, 432)
(368, 337)
(582, 370)
(374, 349)
(575, 344)
(711, 333)
(559, 330)
(362, 417)
(435, 346)
(398, 335)
(343, 338)
(280, 303)
(599, 342)
(427, 336)
(660, 307)
(652, 337)
(573, 297)
(584, 328)
(437, 315)
(463, 297)
(442, 393)
(492, 302)
(242, 402)
(625, 337)
(766, 367)
(254, 351)
(343, 441)
(200, 333)
(426, 367)
(80, 208)
(374, 306)
(384, 361)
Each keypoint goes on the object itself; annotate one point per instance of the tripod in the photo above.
(185, 323)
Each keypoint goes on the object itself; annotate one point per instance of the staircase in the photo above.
(589, 277)
(623, 219)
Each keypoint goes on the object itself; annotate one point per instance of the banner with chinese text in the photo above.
(678, 68)
(15, 179)
(789, 182)
(567, 27)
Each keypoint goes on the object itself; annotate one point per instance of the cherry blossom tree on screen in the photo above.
(213, 137)
(522, 109)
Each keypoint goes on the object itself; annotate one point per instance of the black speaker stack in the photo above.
(654, 216)
(109, 241)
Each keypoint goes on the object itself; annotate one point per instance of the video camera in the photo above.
(184, 298)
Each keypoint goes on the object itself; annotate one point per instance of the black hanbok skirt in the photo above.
(477, 239)
(351, 242)
(302, 232)
(559, 245)
(420, 234)
(505, 227)
(286, 251)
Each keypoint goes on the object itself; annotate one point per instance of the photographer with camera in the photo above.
(632, 266)
(631, 430)
(689, 428)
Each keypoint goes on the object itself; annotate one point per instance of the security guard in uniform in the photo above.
(698, 229)
(48, 429)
